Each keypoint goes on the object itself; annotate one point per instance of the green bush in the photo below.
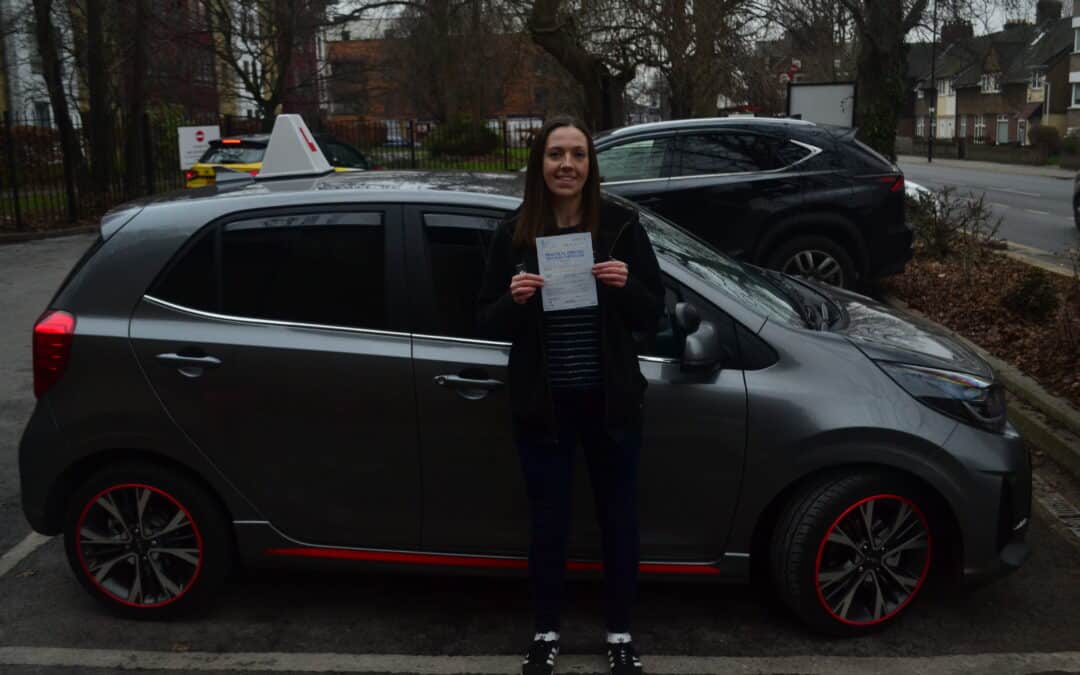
(1071, 145)
(462, 137)
(1034, 298)
(1046, 136)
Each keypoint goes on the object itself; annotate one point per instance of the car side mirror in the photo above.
(703, 350)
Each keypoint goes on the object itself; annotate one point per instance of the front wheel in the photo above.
(850, 553)
(146, 541)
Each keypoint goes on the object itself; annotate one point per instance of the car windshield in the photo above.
(739, 281)
(233, 154)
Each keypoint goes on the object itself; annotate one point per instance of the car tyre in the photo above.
(814, 256)
(146, 541)
(835, 576)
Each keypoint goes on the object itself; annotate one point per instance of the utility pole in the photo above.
(933, 83)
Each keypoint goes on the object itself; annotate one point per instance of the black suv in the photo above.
(787, 194)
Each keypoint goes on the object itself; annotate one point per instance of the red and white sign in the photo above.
(193, 142)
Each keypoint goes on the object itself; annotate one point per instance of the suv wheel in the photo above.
(814, 257)
(851, 552)
(146, 541)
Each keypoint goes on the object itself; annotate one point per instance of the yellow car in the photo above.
(245, 153)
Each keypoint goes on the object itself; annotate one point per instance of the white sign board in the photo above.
(193, 143)
(832, 103)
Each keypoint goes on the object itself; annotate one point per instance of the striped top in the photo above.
(572, 338)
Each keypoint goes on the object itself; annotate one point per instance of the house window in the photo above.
(963, 126)
(1021, 132)
(944, 87)
(1002, 129)
(42, 114)
(980, 128)
(1076, 40)
(990, 83)
(1076, 95)
(920, 128)
(919, 94)
(1038, 77)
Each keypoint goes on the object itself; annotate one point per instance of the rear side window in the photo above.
(457, 246)
(340, 154)
(233, 154)
(636, 160)
(864, 159)
(326, 269)
(789, 153)
(729, 152)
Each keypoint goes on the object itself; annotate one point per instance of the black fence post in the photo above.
(13, 170)
(506, 146)
(148, 153)
(412, 143)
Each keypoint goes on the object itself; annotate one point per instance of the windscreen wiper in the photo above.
(810, 315)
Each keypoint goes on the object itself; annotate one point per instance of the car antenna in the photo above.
(292, 151)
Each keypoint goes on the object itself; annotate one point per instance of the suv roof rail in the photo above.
(705, 121)
(292, 151)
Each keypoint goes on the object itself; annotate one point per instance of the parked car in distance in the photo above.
(290, 371)
(245, 153)
(785, 194)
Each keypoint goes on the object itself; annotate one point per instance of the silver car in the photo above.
(289, 371)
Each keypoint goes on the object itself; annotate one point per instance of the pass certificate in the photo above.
(566, 262)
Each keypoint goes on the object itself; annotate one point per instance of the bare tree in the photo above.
(47, 38)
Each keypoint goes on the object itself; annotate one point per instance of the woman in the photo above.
(574, 377)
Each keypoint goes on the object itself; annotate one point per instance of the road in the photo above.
(1036, 211)
(318, 621)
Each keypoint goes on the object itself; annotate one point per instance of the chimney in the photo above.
(1047, 10)
(955, 30)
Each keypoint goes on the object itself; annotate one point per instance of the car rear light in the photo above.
(896, 183)
(254, 172)
(231, 141)
(189, 175)
(52, 346)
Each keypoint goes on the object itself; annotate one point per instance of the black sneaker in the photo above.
(540, 659)
(623, 659)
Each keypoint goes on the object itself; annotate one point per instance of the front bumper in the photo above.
(993, 508)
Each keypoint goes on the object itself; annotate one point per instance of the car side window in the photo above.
(636, 160)
(457, 248)
(789, 153)
(326, 269)
(342, 155)
(191, 280)
(728, 152)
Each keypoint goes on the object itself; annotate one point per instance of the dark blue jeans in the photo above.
(548, 466)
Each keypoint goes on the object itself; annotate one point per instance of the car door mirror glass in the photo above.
(687, 317)
(703, 350)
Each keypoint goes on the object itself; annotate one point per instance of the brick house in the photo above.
(995, 88)
(1072, 115)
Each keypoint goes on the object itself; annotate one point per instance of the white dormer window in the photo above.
(1038, 78)
(944, 87)
(990, 83)
(920, 94)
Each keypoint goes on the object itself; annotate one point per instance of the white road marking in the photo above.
(1012, 191)
(1041, 213)
(998, 204)
(24, 548)
(999, 664)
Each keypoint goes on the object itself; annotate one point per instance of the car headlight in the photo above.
(966, 397)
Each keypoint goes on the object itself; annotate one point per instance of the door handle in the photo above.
(458, 382)
(189, 361)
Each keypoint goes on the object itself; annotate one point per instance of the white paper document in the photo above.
(566, 262)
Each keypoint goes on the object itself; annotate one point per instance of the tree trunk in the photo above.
(102, 129)
(46, 35)
(604, 90)
(134, 105)
(881, 67)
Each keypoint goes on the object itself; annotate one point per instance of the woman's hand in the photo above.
(613, 273)
(523, 286)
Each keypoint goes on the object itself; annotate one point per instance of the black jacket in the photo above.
(623, 311)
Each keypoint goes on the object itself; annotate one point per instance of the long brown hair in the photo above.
(537, 215)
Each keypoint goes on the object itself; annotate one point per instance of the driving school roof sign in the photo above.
(292, 150)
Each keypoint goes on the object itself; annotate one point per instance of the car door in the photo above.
(473, 491)
(638, 169)
(278, 344)
(726, 184)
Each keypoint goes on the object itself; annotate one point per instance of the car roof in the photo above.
(360, 186)
(669, 125)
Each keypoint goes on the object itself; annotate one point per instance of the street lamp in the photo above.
(933, 83)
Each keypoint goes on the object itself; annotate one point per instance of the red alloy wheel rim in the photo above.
(869, 565)
(139, 540)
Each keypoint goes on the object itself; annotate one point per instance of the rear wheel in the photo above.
(146, 541)
(851, 552)
(815, 257)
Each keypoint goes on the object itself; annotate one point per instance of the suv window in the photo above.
(728, 152)
(191, 281)
(636, 160)
(233, 154)
(789, 153)
(457, 247)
